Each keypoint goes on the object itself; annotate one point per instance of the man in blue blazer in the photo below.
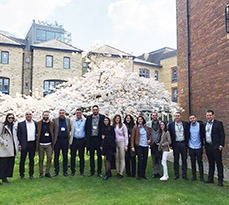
(93, 126)
(26, 132)
(215, 140)
(179, 131)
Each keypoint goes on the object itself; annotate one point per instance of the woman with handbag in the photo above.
(8, 147)
(164, 147)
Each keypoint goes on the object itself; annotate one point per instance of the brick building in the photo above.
(203, 60)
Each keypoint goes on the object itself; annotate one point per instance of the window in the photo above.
(66, 62)
(143, 72)
(50, 86)
(49, 61)
(227, 17)
(50, 35)
(40, 35)
(174, 94)
(5, 57)
(174, 74)
(4, 85)
(156, 76)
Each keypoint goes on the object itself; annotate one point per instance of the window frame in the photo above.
(69, 62)
(6, 52)
(227, 18)
(175, 97)
(54, 82)
(156, 75)
(46, 63)
(144, 72)
(174, 79)
(3, 79)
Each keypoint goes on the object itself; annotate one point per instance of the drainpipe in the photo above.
(31, 74)
(23, 72)
(189, 58)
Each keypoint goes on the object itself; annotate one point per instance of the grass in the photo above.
(93, 190)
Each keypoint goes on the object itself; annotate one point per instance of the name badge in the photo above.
(62, 129)
(46, 134)
(77, 129)
(94, 127)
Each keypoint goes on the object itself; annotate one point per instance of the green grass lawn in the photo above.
(93, 190)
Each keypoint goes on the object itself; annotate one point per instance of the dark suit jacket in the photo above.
(172, 132)
(22, 134)
(88, 127)
(202, 132)
(56, 128)
(217, 134)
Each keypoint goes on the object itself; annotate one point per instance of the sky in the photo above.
(133, 26)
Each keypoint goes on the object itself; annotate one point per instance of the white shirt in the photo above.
(179, 130)
(208, 130)
(31, 131)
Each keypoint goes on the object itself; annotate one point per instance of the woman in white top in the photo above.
(121, 139)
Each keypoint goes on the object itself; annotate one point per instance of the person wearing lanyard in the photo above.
(61, 139)
(44, 142)
(93, 126)
(179, 135)
(77, 141)
(215, 140)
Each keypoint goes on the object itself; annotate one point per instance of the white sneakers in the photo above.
(164, 178)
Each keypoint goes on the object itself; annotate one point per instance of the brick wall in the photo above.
(209, 60)
(13, 70)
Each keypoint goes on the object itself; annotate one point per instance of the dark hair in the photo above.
(178, 112)
(120, 123)
(109, 121)
(192, 115)
(6, 119)
(210, 111)
(144, 121)
(79, 109)
(131, 123)
(95, 106)
(46, 111)
(165, 126)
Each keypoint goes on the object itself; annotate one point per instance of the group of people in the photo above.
(122, 143)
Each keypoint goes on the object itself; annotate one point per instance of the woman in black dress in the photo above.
(130, 157)
(108, 146)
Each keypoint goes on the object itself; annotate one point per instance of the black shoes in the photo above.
(22, 177)
(41, 175)
(193, 179)
(220, 184)
(91, 174)
(156, 175)
(65, 174)
(144, 177)
(55, 174)
(48, 175)
(31, 177)
(73, 174)
(100, 175)
(176, 177)
(5, 180)
(185, 177)
(105, 177)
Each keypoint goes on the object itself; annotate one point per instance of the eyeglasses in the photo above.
(28, 114)
(10, 118)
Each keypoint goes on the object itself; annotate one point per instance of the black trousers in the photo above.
(30, 149)
(6, 167)
(77, 145)
(142, 153)
(214, 156)
(61, 144)
(196, 155)
(180, 148)
(130, 162)
(95, 146)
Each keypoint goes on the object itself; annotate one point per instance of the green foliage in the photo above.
(93, 190)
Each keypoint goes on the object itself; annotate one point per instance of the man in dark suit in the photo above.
(93, 127)
(195, 146)
(179, 135)
(61, 142)
(26, 133)
(215, 140)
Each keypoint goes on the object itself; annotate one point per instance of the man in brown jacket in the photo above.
(44, 143)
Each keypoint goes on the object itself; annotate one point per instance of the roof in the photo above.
(56, 45)
(158, 55)
(106, 49)
(10, 41)
(140, 61)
